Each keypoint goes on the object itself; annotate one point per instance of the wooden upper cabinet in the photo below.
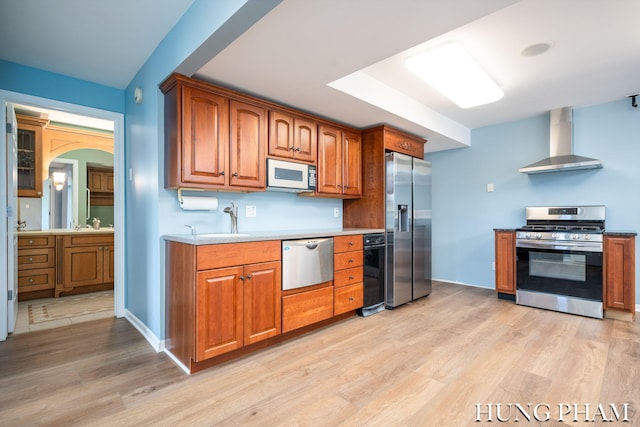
(619, 273)
(505, 258)
(292, 137)
(29, 156)
(329, 160)
(248, 145)
(205, 137)
(339, 162)
(352, 164)
(100, 180)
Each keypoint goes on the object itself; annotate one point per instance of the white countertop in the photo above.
(58, 231)
(255, 236)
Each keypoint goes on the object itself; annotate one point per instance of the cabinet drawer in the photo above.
(36, 280)
(348, 298)
(347, 243)
(347, 260)
(36, 258)
(305, 308)
(232, 254)
(36, 242)
(84, 240)
(347, 277)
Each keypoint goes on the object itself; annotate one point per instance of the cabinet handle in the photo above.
(298, 149)
(31, 242)
(235, 174)
(350, 243)
(291, 149)
(249, 276)
(350, 260)
(241, 278)
(30, 280)
(222, 173)
(350, 298)
(350, 277)
(30, 259)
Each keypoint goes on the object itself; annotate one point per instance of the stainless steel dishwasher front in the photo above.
(306, 262)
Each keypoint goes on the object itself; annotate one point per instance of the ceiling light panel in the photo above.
(450, 70)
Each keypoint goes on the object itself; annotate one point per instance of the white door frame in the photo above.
(119, 198)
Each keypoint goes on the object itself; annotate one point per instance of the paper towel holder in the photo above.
(187, 189)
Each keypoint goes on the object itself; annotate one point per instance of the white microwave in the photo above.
(290, 176)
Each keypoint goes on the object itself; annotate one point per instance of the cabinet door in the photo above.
(83, 265)
(505, 262)
(352, 165)
(29, 161)
(262, 287)
(280, 135)
(205, 137)
(619, 273)
(305, 140)
(329, 160)
(248, 145)
(219, 299)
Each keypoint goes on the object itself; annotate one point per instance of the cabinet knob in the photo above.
(30, 259)
(222, 173)
(350, 243)
(350, 277)
(291, 149)
(31, 242)
(30, 280)
(298, 149)
(235, 174)
(241, 278)
(350, 298)
(249, 276)
(350, 260)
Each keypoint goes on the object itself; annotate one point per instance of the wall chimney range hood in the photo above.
(561, 147)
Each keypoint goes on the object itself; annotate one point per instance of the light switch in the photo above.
(490, 188)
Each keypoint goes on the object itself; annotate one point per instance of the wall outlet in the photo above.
(493, 265)
(250, 211)
(336, 212)
(490, 188)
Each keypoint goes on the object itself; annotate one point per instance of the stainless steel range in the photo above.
(559, 259)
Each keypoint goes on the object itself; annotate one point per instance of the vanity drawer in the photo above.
(36, 280)
(36, 258)
(25, 242)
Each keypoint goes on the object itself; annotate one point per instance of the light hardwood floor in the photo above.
(423, 364)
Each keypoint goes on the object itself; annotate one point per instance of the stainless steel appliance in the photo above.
(408, 229)
(559, 259)
(306, 262)
(374, 268)
(283, 175)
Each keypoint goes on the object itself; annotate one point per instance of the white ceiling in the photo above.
(293, 53)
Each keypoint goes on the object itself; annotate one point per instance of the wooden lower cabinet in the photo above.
(221, 297)
(85, 261)
(619, 274)
(348, 273)
(36, 267)
(505, 259)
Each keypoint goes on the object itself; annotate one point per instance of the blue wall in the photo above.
(35, 82)
(465, 214)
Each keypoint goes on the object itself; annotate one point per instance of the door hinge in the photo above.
(10, 295)
(9, 127)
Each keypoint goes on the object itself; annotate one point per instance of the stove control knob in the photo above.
(528, 235)
(554, 235)
(574, 236)
(538, 236)
(587, 237)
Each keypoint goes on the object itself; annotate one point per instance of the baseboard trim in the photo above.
(177, 362)
(152, 339)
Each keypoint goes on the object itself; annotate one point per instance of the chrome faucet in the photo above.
(21, 225)
(233, 212)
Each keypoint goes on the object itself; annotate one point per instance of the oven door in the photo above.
(570, 273)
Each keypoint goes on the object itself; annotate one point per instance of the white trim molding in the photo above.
(152, 339)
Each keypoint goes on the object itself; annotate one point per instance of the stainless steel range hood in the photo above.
(561, 147)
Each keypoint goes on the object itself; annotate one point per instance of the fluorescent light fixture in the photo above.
(59, 179)
(450, 70)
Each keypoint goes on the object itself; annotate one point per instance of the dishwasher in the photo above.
(306, 262)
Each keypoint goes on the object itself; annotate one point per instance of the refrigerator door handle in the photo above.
(403, 218)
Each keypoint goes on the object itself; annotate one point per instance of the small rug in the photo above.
(71, 306)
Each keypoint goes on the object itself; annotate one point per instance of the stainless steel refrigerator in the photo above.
(408, 229)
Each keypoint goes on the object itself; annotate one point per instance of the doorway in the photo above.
(67, 201)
